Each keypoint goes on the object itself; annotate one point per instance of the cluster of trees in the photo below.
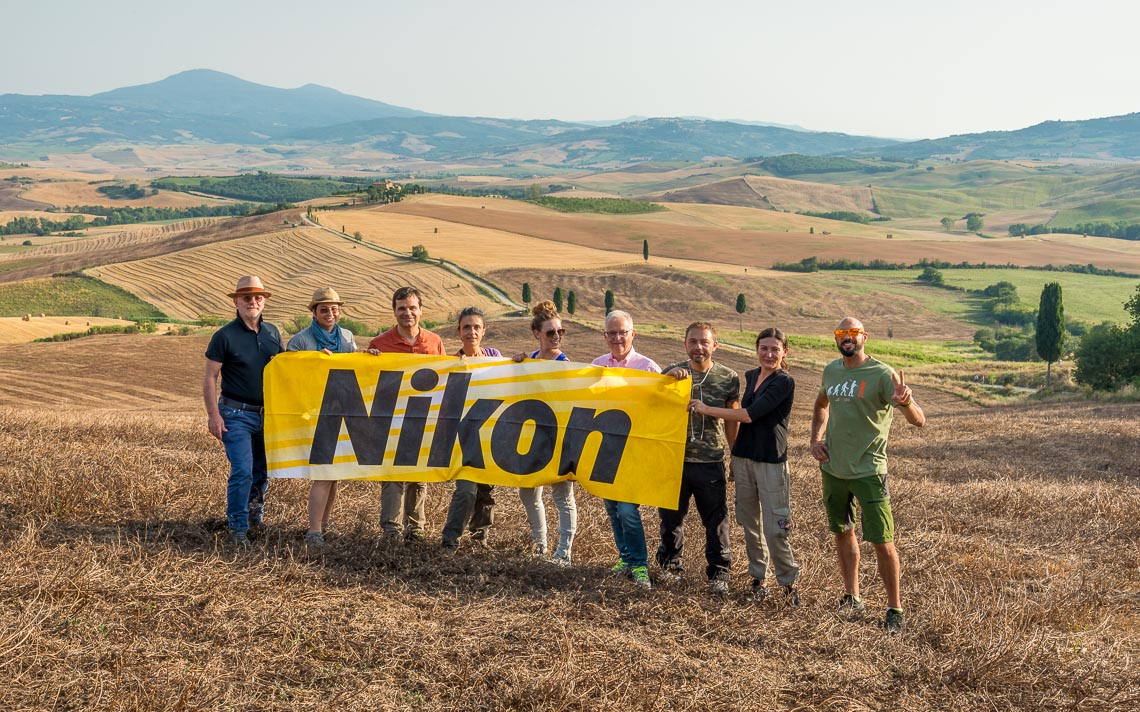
(1121, 229)
(845, 215)
(1025, 334)
(1108, 357)
(608, 206)
(261, 187)
(391, 192)
(130, 192)
(42, 226)
(798, 164)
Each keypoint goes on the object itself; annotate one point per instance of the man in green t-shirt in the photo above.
(849, 427)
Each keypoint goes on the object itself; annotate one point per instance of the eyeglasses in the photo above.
(328, 310)
(253, 298)
(550, 333)
(615, 334)
(853, 333)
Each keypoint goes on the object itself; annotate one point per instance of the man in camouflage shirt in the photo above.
(703, 475)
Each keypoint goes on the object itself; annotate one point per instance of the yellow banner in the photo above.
(620, 433)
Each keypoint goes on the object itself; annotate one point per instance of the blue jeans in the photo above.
(629, 535)
(244, 441)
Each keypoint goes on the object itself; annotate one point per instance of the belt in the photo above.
(242, 406)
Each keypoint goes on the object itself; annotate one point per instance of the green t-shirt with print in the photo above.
(718, 387)
(859, 418)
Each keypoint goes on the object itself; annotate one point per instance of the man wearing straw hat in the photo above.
(239, 352)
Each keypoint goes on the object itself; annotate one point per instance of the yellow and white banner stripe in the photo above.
(620, 433)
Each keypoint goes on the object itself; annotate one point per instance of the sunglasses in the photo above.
(853, 333)
(550, 333)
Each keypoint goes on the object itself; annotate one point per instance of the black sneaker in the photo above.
(758, 593)
(792, 596)
(851, 606)
(895, 621)
(240, 539)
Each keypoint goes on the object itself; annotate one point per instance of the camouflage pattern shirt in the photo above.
(718, 387)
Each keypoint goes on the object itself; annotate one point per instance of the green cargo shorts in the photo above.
(839, 498)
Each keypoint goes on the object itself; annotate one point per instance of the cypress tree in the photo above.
(1050, 326)
(741, 306)
(609, 301)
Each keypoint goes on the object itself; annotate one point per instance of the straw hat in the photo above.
(249, 285)
(325, 295)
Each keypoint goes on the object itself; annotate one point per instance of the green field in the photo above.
(72, 296)
(1089, 298)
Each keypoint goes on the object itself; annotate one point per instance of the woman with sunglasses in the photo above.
(326, 336)
(546, 326)
(760, 465)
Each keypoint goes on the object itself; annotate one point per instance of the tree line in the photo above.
(815, 264)
(1121, 229)
(128, 215)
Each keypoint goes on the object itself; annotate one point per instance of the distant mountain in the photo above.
(456, 138)
(205, 92)
(205, 106)
(197, 105)
(1113, 137)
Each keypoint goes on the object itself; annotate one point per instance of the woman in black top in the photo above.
(760, 465)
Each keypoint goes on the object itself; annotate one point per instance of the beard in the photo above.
(848, 348)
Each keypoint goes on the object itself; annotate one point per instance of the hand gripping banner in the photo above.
(618, 432)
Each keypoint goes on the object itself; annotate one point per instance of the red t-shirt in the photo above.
(391, 342)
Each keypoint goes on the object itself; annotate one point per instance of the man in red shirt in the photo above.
(405, 498)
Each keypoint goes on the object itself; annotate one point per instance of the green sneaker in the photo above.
(895, 621)
(640, 576)
(619, 569)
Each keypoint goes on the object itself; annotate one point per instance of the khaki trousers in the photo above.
(764, 510)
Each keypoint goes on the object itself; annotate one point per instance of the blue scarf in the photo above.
(325, 340)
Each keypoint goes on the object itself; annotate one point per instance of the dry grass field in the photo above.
(82, 192)
(681, 236)
(292, 263)
(14, 330)
(1017, 533)
(798, 303)
(771, 193)
(481, 249)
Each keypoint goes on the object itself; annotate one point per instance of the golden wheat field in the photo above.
(481, 249)
(1017, 535)
(82, 192)
(14, 330)
(292, 263)
(678, 236)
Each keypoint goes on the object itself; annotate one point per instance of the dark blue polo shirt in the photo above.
(243, 354)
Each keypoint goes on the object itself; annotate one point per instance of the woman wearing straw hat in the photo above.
(326, 336)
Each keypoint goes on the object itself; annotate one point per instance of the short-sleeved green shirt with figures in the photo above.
(859, 418)
(719, 386)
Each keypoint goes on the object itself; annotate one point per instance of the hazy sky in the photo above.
(902, 68)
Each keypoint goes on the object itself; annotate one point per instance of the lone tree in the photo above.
(645, 249)
(741, 306)
(526, 293)
(558, 298)
(974, 222)
(609, 301)
(947, 223)
(571, 303)
(1050, 326)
